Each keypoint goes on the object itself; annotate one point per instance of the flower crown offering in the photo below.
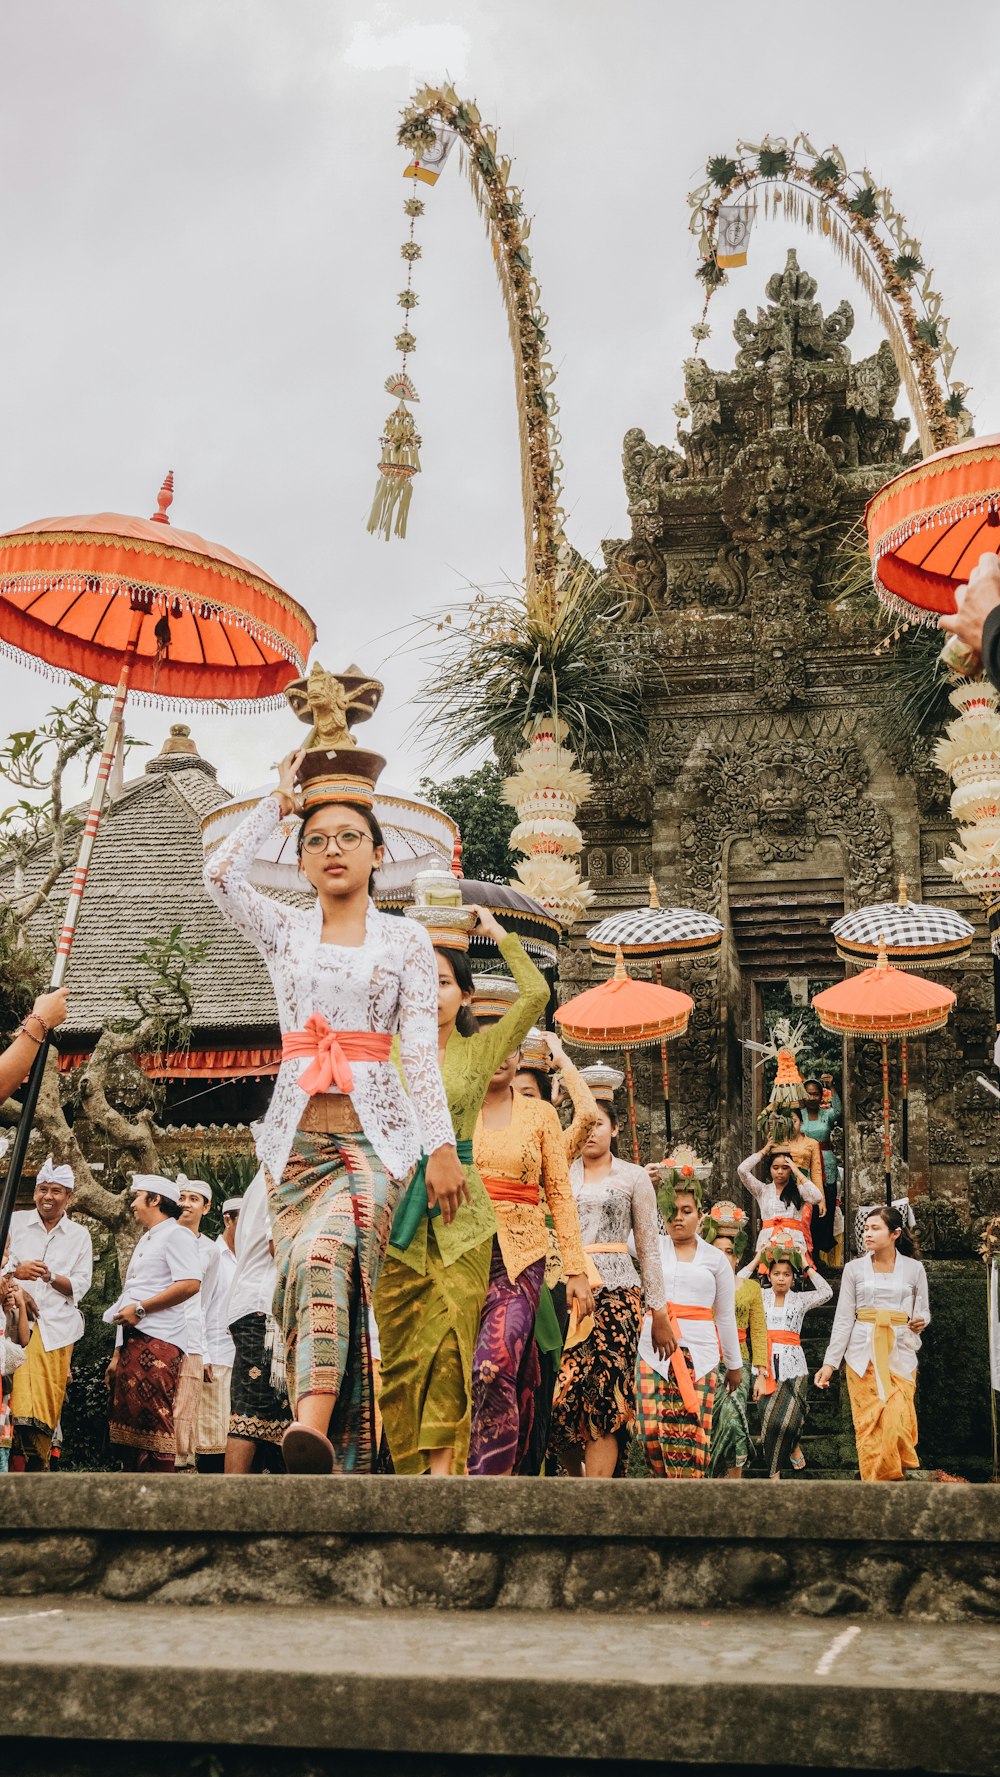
(680, 1171)
(781, 1250)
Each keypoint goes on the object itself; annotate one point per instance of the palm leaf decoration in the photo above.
(504, 660)
(721, 170)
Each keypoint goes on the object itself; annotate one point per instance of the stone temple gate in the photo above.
(780, 787)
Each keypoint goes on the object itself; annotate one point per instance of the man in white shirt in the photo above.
(53, 1261)
(213, 1413)
(195, 1196)
(151, 1316)
(260, 1413)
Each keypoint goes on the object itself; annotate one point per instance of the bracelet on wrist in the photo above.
(23, 1031)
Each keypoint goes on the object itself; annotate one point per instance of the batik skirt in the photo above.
(428, 1324)
(505, 1370)
(782, 1420)
(258, 1407)
(595, 1392)
(731, 1445)
(676, 1441)
(885, 1431)
(331, 1214)
(144, 1389)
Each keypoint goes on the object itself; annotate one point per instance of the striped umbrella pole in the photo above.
(630, 1089)
(905, 1106)
(112, 739)
(886, 1124)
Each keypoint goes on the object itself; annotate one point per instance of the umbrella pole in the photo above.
(905, 1108)
(668, 1135)
(113, 733)
(886, 1124)
(630, 1088)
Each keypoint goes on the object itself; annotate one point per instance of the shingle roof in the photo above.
(146, 878)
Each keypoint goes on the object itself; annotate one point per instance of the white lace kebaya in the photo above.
(388, 983)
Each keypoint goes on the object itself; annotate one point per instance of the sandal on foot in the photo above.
(306, 1452)
(797, 1465)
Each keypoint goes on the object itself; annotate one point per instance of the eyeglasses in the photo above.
(348, 839)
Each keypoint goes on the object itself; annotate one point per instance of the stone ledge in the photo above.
(870, 1697)
(401, 1506)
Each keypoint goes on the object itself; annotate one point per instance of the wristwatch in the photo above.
(140, 1312)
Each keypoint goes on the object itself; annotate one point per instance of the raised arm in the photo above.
(558, 1195)
(821, 1291)
(227, 877)
(748, 1177)
(418, 1037)
(809, 1190)
(647, 1240)
(585, 1112)
(499, 1040)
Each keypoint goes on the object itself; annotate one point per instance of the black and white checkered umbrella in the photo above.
(655, 931)
(915, 935)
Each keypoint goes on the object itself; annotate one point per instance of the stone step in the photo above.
(523, 1687)
(914, 1549)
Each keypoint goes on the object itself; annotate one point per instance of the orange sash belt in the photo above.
(742, 1331)
(608, 1247)
(512, 1190)
(331, 1052)
(682, 1375)
(783, 1222)
(778, 1337)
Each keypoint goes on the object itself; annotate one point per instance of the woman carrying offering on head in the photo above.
(786, 1385)
(882, 1310)
(431, 1292)
(341, 1135)
(725, 1228)
(781, 1193)
(675, 1385)
(520, 1152)
(594, 1404)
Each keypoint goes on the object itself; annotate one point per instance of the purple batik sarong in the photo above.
(505, 1371)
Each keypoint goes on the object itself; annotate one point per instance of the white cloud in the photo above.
(431, 50)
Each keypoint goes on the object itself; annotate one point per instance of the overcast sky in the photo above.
(200, 221)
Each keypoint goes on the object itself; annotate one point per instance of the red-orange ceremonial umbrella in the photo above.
(928, 527)
(623, 1013)
(884, 1004)
(131, 602)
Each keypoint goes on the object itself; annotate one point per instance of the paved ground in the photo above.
(878, 1696)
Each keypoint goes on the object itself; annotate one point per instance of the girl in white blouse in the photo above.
(780, 1197)
(340, 1134)
(882, 1310)
(786, 1390)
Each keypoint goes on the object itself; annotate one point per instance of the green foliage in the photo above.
(230, 1175)
(825, 171)
(711, 274)
(907, 265)
(863, 203)
(166, 999)
(955, 406)
(772, 162)
(485, 821)
(510, 661)
(927, 331)
(721, 170)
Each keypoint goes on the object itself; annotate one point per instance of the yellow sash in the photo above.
(883, 1320)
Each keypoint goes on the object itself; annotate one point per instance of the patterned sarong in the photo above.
(213, 1413)
(331, 1213)
(259, 1411)
(782, 1421)
(731, 1444)
(595, 1393)
(142, 1401)
(187, 1404)
(676, 1442)
(505, 1372)
(37, 1397)
(885, 1431)
(428, 1325)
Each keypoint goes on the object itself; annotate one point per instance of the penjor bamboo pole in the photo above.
(630, 1088)
(886, 1124)
(112, 737)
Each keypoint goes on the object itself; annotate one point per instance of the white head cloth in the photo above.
(50, 1174)
(159, 1187)
(232, 1206)
(194, 1184)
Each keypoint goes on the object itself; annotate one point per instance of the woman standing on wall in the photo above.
(430, 1295)
(882, 1310)
(341, 1135)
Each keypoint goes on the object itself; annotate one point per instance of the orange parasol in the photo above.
(928, 527)
(623, 1013)
(884, 1004)
(132, 603)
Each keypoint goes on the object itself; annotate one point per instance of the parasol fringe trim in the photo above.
(189, 706)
